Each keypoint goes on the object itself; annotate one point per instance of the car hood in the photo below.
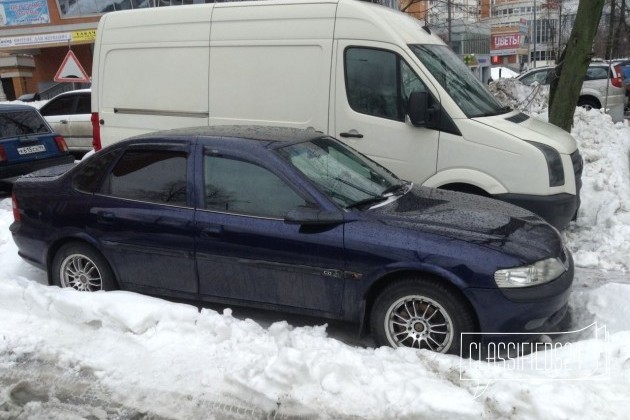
(474, 219)
(532, 129)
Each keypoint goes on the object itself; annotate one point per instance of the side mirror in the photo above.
(417, 106)
(311, 216)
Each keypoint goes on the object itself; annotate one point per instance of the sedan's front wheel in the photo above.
(83, 268)
(421, 314)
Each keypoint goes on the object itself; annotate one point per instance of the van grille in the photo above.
(518, 118)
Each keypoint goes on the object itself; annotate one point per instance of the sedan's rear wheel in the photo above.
(83, 268)
(421, 314)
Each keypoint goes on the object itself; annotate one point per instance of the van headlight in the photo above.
(554, 163)
(540, 272)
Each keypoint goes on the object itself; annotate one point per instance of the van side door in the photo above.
(372, 84)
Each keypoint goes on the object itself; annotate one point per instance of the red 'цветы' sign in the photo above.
(505, 41)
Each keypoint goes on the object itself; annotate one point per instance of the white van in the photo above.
(368, 75)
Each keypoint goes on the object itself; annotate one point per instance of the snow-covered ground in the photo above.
(119, 355)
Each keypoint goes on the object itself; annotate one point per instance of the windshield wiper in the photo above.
(366, 201)
(392, 189)
(387, 192)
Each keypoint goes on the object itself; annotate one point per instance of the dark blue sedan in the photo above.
(295, 221)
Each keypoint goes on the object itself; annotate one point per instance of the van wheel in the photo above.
(588, 103)
(83, 268)
(421, 314)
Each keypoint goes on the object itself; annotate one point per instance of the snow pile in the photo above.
(34, 104)
(512, 93)
(600, 236)
(167, 359)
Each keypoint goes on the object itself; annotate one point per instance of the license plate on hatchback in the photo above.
(31, 149)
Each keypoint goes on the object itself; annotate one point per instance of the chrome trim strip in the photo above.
(160, 113)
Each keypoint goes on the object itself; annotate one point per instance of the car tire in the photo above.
(82, 267)
(422, 313)
(588, 103)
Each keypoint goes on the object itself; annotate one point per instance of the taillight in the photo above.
(61, 144)
(3, 154)
(96, 132)
(617, 81)
(16, 209)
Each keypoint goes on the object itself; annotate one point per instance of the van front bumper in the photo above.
(558, 210)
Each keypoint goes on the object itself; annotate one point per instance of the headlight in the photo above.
(554, 163)
(530, 275)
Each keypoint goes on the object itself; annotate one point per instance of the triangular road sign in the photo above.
(71, 70)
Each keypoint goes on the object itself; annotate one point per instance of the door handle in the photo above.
(352, 134)
(63, 121)
(209, 232)
(105, 217)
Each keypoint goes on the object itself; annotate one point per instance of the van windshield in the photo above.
(467, 91)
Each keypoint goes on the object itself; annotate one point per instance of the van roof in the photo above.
(353, 19)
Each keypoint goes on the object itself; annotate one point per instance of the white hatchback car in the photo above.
(69, 115)
(602, 87)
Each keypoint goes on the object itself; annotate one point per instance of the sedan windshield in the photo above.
(344, 175)
(456, 78)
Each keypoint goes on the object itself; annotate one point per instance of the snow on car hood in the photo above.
(474, 219)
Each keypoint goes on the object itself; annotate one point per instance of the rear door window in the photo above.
(63, 105)
(20, 123)
(597, 73)
(156, 176)
(84, 105)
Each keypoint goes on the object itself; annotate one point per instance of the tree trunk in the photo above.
(571, 68)
(621, 28)
(610, 40)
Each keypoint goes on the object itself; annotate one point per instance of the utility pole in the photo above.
(448, 18)
(559, 29)
(535, 29)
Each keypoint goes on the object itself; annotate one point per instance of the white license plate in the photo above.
(31, 149)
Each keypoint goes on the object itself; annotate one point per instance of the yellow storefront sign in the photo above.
(83, 36)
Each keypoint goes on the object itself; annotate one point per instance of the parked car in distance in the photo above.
(293, 220)
(69, 114)
(602, 87)
(29, 97)
(625, 70)
(27, 143)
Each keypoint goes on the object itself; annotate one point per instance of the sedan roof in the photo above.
(16, 107)
(251, 132)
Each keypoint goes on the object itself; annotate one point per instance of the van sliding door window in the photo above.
(378, 82)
